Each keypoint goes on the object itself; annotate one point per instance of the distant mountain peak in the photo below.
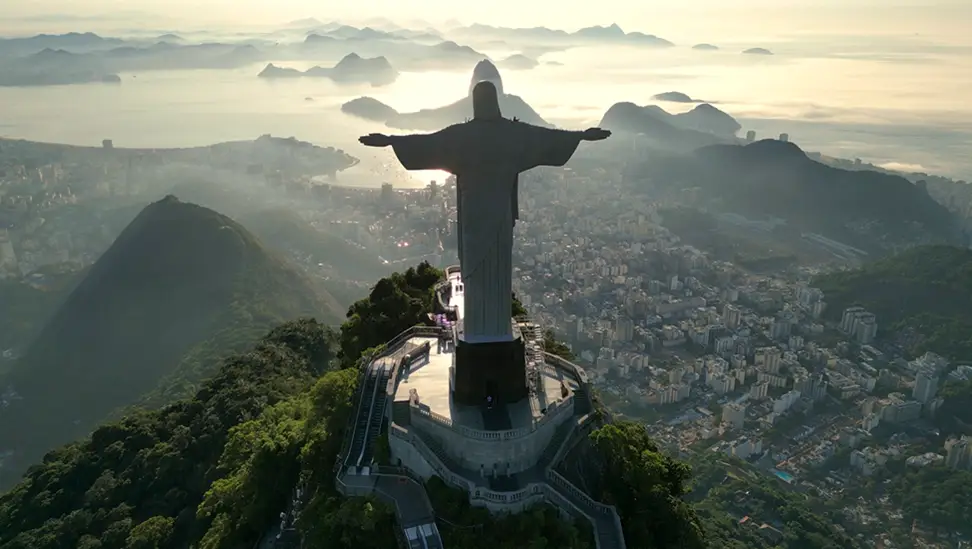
(486, 70)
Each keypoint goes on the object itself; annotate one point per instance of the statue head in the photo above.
(485, 102)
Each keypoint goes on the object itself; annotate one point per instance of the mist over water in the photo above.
(896, 102)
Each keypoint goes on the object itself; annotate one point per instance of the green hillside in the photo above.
(923, 294)
(27, 304)
(102, 492)
(283, 229)
(180, 285)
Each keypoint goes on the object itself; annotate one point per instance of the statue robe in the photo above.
(486, 157)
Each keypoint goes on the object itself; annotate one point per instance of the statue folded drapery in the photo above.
(486, 154)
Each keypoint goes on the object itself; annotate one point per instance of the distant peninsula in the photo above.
(758, 51)
(353, 69)
(519, 62)
(250, 157)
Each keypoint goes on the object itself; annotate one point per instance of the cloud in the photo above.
(903, 167)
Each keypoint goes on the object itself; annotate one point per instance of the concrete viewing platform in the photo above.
(429, 377)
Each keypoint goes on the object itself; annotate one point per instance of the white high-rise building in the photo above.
(926, 385)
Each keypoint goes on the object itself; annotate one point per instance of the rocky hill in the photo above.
(869, 210)
(352, 69)
(180, 284)
(658, 128)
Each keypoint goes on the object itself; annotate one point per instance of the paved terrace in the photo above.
(429, 377)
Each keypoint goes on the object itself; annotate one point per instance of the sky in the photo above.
(945, 18)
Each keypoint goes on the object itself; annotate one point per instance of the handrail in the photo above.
(579, 374)
(557, 480)
(350, 426)
(371, 413)
(386, 496)
(366, 363)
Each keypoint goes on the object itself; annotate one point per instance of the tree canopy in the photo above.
(926, 290)
(215, 470)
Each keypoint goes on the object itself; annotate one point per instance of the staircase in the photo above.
(533, 338)
(582, 401)
(559, 436)
(607, 531)
(377, 416)
(439, 452)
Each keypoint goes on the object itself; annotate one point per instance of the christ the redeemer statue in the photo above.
(486, 154)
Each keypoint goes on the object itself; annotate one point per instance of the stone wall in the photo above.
(405, 454)
(505, 452)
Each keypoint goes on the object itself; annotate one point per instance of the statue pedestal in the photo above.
(490, 369)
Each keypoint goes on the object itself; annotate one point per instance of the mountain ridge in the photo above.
(181, 280)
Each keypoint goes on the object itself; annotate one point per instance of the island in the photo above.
(758, 51)
(674, 97)
(519, 62)
(705, 47)
(352, 69)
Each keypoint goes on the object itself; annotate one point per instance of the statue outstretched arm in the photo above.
(550, 147)
(434, 151)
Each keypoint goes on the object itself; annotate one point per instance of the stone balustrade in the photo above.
(555, 411)
(557, 479)
(529, 494)
(578, 373)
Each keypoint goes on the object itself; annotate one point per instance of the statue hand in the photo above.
(595, 134)
(375, 140)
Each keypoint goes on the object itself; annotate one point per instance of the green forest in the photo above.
(213, 471)
(926, 290)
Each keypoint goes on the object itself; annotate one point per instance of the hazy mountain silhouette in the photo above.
(352, 69)
(703, 125)
(674, 97)
(776, 178)
(407, 51)
(758, 51)
(181, 281)
(705, 47)
(512, 106)
(611, 33)
(83, 58)
(73, 41)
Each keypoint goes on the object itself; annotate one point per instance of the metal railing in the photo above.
(476, 493)
(362, 491)
(597, 508)
(366, 364)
